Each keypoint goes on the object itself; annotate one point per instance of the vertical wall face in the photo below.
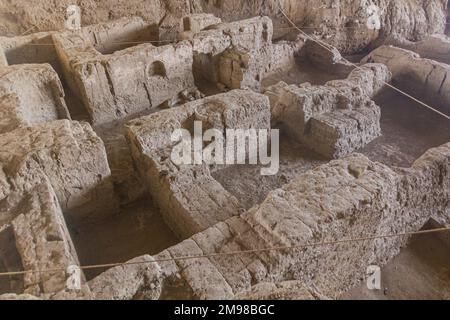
(235, 54)
(197, 22)
(348, 25)
(352, 195)
(335, 119)
(34, 236)
(334, 21)
(124, 81)
(190, 198)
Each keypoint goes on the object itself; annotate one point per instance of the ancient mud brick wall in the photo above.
(70, 155)
(61, 168)
(352, 196)
(194, 23)
(285, 290)
(35, 48)
(190, 198)
(34, 236)
(423, 78)
(334, 119)
(30, 94)
(239, 54)
(348, 25)
(325, 58)
(125, 82)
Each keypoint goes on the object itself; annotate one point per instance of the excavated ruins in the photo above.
(358, 90)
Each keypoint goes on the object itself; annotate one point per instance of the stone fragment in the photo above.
(141, 279)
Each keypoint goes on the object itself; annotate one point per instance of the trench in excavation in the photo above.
(421, 271)
(138, 228)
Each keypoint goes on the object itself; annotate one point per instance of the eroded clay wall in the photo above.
(349, 25)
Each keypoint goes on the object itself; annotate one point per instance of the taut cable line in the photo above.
(330, 48)
(235, 253)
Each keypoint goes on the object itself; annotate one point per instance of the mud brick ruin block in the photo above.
(70, 155)
(423, 78)
(335, 119)
(240, 68)
(34, 236)
(196, 22)
(352, 195)
(190, 198)
(114, 82)
(35, 48)
(30, 94)
(222, 52)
